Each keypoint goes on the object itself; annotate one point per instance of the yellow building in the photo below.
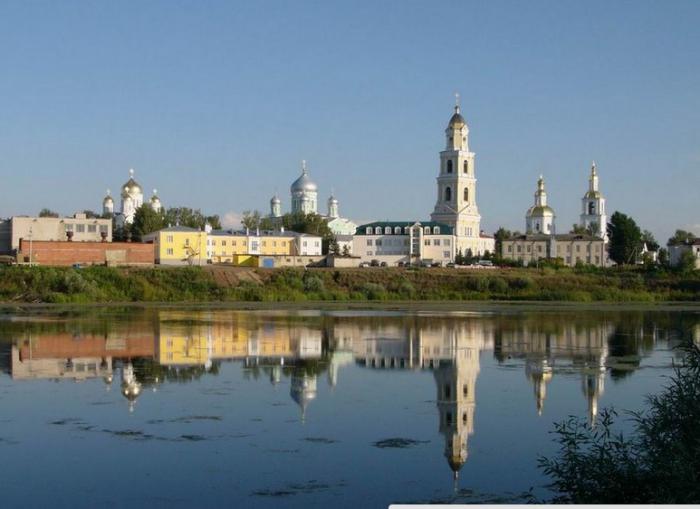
(241, 248)
(179, 245)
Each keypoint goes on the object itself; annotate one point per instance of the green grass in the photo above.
(197, 284)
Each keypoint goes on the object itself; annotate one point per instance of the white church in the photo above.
(131, 199)
(304, 199)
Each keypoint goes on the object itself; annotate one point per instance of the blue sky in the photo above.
(215, 104)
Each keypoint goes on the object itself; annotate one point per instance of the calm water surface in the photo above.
(174, 407)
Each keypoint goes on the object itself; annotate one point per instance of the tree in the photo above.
(578, 229)
(468, 258)
(185, 216)
(91, 214)
(146, 220)
(333, 247)
(663, 257)
(47, 213)
(501, 235)
(346, 250)
(686, 261)
(681, 237)
(251, 219)
(650, 241)
(213, 221)
(625, 239)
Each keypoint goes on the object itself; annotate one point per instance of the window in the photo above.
(466, 194)
(92, 228)
(510, 248)
(378, 243)
(426, 230)
(529, 248)
(213, 242)
(445, 254)
(449, 166)
(378, 230)
(520, 249)
(369, 230)
(405, 230)
(539, 249)
(187, 242)
(448, 391)
(369, 242)
(448, 193)
(446, 242)
(397, 230)
(80, 228)
(436, 230)
(223, 242)
(169, 251)
(304, 244)
(317, 243)
(169, 239)
(466, 166)
(426, 242)
(465, 392)
(591, 207)
(369, 253)
(387, 230)
(436, 242)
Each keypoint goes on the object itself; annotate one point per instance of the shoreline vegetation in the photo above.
(224, 284)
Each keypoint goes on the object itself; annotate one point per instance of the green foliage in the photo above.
(625, 239)
(686, 262)
(146, 220)
(373, 291)
(681, 237)
(657, 464)
(192, 218)
(251, 219)
(47, 213)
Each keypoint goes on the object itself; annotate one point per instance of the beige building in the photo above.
(569, 248)
(79, 228)
(405, 242)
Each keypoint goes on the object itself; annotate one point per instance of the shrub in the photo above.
(657, 464)
(373, 291)
(498, 285)
(522, 283)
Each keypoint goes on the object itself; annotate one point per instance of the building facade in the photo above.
(405, 242)
(65, 253)
(245, 248)
(78, 228)
(179, 245)
(570, 248)
(675, 252)
(456, 190)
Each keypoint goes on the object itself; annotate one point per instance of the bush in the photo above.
(657, 464)
(522, 283)
(373, 291)
(498, 285)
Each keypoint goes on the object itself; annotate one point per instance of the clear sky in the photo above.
(215, 104)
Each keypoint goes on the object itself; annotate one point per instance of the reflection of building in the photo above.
(539, 372)
(303, 390)
(131, 388)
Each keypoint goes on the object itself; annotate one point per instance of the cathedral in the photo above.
(131, 199)
(304, 199)
(456, 190)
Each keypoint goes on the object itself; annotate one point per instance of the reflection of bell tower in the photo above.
(593, 384)
(456, 399)
(539, 372)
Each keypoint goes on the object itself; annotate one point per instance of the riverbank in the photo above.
(233, 284)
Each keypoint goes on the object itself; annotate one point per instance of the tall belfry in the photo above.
(456, 187)
(593, 207)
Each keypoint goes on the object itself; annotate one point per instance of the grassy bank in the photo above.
(226, 284)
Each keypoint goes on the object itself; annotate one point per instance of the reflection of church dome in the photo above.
(131, 388)
(456, 464)
(131, 391)
(303, 391)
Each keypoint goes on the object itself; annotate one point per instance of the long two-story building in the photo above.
(397, 242)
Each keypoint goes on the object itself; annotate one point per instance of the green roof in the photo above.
(445, 229)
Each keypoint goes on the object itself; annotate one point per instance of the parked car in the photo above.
(402, 264)
(364, 265)
(450, 265)
(383, 264)
(7, 260)
(486, 263)
(436, 264)
(374, 263)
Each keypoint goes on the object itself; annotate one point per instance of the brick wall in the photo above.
(86, 253)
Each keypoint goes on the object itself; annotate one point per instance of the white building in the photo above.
(131, 199)
(540, 217)
(593, 207)
(456, 190)
(405, 242)
(675, 251)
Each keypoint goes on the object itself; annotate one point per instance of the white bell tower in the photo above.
(456, 185)
(593, 207)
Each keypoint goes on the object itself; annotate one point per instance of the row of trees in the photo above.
(147, 220)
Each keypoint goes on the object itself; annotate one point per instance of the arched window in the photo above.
(369, 230)
(436, 230)
(591, 207)
(466, 194)
(466, 166)
(448, 193)
(426, 230)
(387, 230)
(449, 166)
(397, 230)
(378, 230)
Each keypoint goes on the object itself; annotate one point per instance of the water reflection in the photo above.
(156, 346)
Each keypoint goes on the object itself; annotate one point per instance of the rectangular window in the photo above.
(520, 248)
(426, 242)
(169, 238)
(169, 251)
(187, 242)
(445, 254)
(369, 253)
(213, 242)
(223, 242)
(436, 242)
(92, 228)
(539, 249)
(369, 242)
(379, 242)
(80, 228)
